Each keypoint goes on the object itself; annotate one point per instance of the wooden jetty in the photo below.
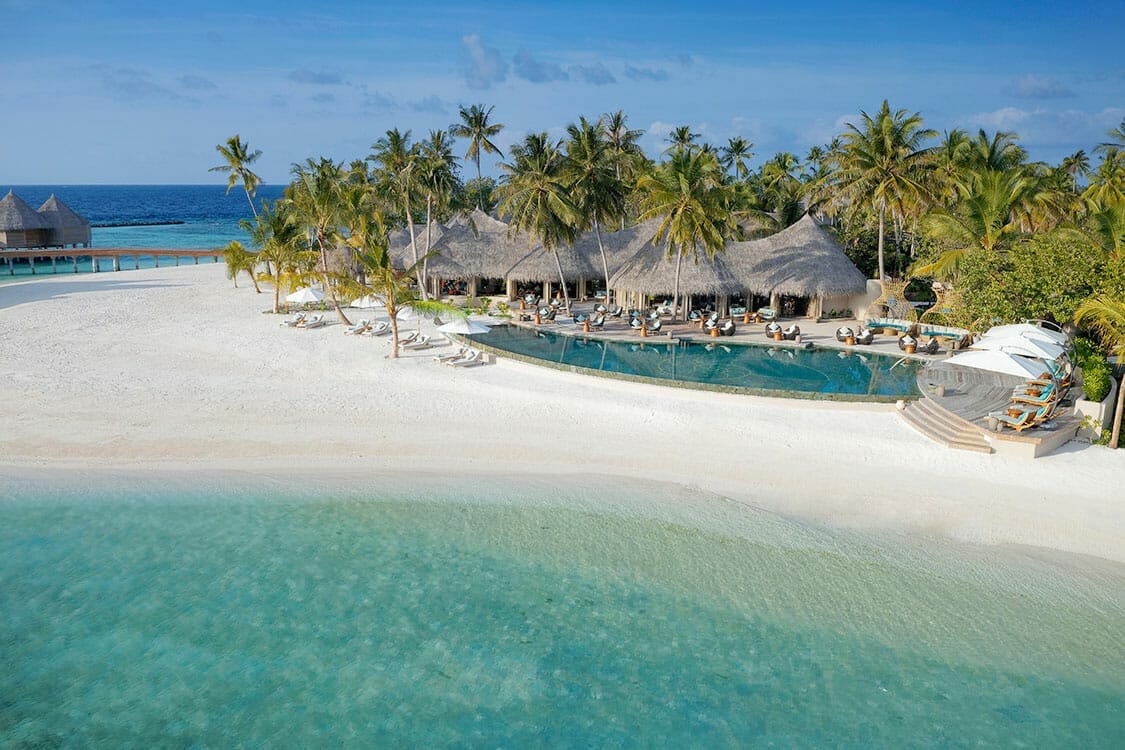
(95, 255)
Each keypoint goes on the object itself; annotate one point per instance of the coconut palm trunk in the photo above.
(562, 279)
(330, 287)
(605, 262)
(1115, 435)
(429, 230)
(882, 234)
(676, 287)
(413, 241)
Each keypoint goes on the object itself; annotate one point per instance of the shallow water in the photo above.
(395, 612)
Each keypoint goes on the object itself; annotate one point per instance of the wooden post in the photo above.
(75, 259)
(12, 267)
(54, 264)
(94, 263)
(156, 260)
(177, 259)
(511, 289)
(136, 262)
(196, 257)
(117, 263)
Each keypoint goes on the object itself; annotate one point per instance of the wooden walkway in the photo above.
(115, 254)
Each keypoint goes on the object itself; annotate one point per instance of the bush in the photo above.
(1095, 379)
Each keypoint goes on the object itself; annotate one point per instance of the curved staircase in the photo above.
(943, 426)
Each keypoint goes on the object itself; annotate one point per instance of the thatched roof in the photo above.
(59, 215)
(802, 260)
(648, 269)
(16, 215)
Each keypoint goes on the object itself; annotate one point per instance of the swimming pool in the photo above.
(769, 370)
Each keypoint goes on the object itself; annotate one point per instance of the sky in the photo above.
(101, 92)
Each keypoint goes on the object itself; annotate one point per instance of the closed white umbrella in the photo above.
(993, 361)
(464, 326)
(1023, 345)
(1029, 331)
(305, 295)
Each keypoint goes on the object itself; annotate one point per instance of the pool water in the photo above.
(776, 370)
(164, 611)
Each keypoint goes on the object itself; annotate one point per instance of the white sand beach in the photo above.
(175, 369)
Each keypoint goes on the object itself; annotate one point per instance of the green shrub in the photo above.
(1095, 379)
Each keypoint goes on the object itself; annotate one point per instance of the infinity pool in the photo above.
(772, 370)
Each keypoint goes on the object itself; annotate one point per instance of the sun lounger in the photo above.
(315, 321)
(407, 338)
(443, 358)
(378, 328)
(418, 342)
(295, 321)
(1023, 419)
(358, 328)
(469, 359)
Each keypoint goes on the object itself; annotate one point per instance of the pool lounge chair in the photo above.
(294, 322)
(470, 358)
(418, 342)
(407, 338)
(1025, 418)
(443, 358)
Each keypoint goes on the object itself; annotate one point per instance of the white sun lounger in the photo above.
(293, 322)
(418, 342)
(407, 338)
(315, 321)
(471, 358)
(443, 358)
(378, 328)
(357, 329)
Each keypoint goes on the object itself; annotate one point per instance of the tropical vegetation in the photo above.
(1016, 238)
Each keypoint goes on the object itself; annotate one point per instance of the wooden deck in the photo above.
(955, 405)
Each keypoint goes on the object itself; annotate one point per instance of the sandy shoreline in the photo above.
(174, 369)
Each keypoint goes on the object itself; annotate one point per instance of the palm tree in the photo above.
(475, 126)
(1106, 315)
(1116, 140)
(688, 194)
(994, 210)
(533, 193)
(239, 259)
(278, 235)
(1000, 152)
(1076, 165)
(238, 160)
(735, 154)
(314, 198)
(438, 179)
(628, 157)
(881, 164)
(682, 139)
(397, 161)
(781, 190)
(597, 192)
(1107, 183)
(394, 287)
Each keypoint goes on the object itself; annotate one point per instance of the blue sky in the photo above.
(141, 92)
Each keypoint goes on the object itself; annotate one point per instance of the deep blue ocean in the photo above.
(210, 216)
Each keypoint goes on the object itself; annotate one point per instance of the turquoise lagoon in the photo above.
(145, 611)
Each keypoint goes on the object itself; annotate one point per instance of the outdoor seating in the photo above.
(655, 325)
(1023, 419)
(600, 308)
(727, 329)
(736, 311)
(791, 333)
(421, 341)
(468, 359)
(295, 321)
(581, 318)
(616, 311)
(1046, 396)
(407, 338)
(773, 329)
(767, 313)
(450, 357)
(598, 321)
(843, 333)
(357, 329)
(930, 347)
(378, 328)
(865, 336)
(907, 340)
(636, 323)
(898, 324)
(315, 321)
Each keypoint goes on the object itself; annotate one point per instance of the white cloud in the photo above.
(1040, 87)
(484, 66)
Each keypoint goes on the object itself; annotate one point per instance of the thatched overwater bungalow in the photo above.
(801, 261)
(66, 226)
(21, 225)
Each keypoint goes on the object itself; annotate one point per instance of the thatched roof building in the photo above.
(20, 224)
(66, 227)
(803, 260)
